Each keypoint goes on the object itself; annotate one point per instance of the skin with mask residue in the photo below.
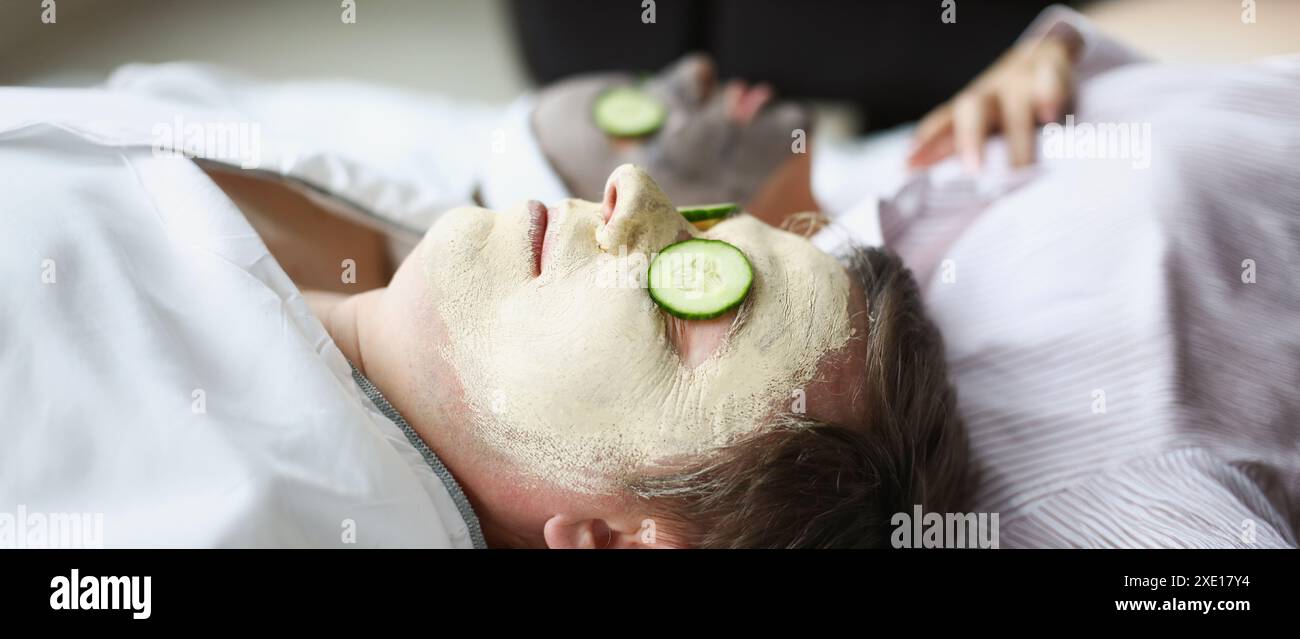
(574, 376)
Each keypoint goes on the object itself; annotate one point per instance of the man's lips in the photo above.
(538, 220)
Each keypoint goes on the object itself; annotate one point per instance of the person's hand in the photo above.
(1029, 85)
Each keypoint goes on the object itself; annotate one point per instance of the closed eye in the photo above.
(697, 340)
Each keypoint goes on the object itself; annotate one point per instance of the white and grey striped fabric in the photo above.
(1125, 340)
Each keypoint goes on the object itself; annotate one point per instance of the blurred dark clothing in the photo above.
(896, 59)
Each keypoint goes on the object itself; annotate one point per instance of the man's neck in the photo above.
(785, 193)
(354, 323)
(341, 315)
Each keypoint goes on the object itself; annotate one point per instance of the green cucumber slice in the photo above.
(629, 112)
(699, 279)
(705, 216)
(700, 212)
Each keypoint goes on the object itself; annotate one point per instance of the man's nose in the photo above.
(698, 74)
(630, 189)
(636, 211)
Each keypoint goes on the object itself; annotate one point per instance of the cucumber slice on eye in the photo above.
(629, 112)
(700, 279)
(704, 216)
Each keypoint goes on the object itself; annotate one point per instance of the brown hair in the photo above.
(803, 483)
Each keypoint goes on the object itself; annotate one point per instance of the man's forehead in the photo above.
(835, 393)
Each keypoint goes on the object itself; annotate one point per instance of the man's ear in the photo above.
(565, 531)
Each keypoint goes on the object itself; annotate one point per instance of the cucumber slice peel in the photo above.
(708, 211)
(699, 279)
(628, 112)
(705, 216)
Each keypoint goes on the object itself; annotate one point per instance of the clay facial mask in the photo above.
(572, 374)
(682, 135)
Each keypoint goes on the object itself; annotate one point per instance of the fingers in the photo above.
(1052, 80)
(960, 126)
(1014, 98)
(1018, 126)
(933, 138)
(936, 149)
(936, 123)
(973, 115)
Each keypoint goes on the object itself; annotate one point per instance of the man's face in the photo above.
(717, 143)
(565, 365)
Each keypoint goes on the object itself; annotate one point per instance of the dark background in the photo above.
(895, 60)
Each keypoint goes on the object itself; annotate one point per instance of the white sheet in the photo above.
(162, 296)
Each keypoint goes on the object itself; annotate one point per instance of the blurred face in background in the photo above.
(718, 143)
